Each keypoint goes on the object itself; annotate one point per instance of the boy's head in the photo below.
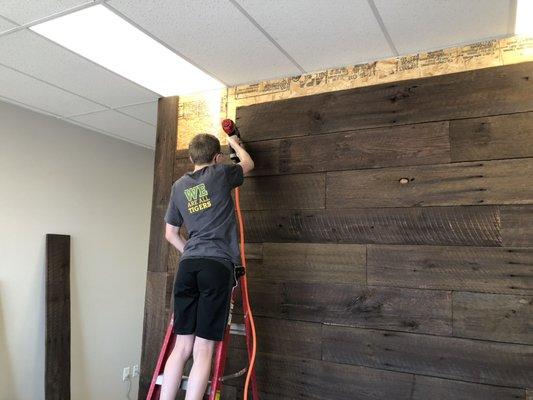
(204, 148)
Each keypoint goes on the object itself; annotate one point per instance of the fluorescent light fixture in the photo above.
(103, 37)
(524, 18)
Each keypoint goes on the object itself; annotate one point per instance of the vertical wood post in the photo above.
(155, 310)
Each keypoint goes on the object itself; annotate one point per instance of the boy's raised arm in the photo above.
(246, 161)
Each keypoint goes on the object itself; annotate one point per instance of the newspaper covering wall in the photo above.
(202, 112)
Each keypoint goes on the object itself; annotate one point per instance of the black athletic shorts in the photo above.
(202, 294)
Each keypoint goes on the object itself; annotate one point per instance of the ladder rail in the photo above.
(168, 343)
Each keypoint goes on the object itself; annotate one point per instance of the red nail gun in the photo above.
(231, 129)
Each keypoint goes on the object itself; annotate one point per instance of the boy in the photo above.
(202, 200)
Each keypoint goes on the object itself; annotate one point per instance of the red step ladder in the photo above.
(247, 329)
(217, 378)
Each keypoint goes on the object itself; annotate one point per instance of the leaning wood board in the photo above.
(57, 342)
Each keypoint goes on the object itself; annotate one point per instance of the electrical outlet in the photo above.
(135, 371)
(125, 374)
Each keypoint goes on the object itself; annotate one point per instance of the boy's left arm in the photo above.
(172, 234)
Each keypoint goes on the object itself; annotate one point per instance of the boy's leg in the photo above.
(199, 376)
(215, 281)
(174, 366)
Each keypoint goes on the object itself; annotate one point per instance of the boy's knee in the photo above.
(203, 347)
(183, 348)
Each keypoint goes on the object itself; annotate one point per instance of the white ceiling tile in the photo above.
(214, 35)
(25, 11)
(26, 90)
(418, 25)
(120, 125)
(27, 106)
(30, 53)
(146, 112)
(5, 25)
(322, 33)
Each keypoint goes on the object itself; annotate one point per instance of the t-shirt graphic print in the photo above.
(197, 198)
(202, 201)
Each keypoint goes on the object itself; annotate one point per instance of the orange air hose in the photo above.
(245, 296)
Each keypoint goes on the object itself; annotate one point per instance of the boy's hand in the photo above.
(235, 140)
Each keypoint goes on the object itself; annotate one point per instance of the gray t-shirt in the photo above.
(202, 201)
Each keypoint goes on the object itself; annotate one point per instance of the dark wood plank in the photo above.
(446, 389)
(285, 377)
(57, 348)
(445, 357)
(483, 92)
(498, 317)
(517, 226)
(155, 322)
(472, 183)
(165, 149)
(305, 191)
(312, 262)
(163, 178)
(407, 310)
(181, 166)
(471, 226)
(229, 393)
(482, 269)
(159, 247)
(402, 145)
(169, 292)
(503, 136)
(182, 153)
(265, 155)
(290, 338)
(262, 395)
(253, 251)
(174, 255)
(254, 257)
(155, 317)
(265, 298)
(370, 148)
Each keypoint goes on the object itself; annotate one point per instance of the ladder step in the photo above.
(237, 329)
(183, 385)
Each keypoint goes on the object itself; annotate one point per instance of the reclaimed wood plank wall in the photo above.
(390, 240)
(57, 330)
